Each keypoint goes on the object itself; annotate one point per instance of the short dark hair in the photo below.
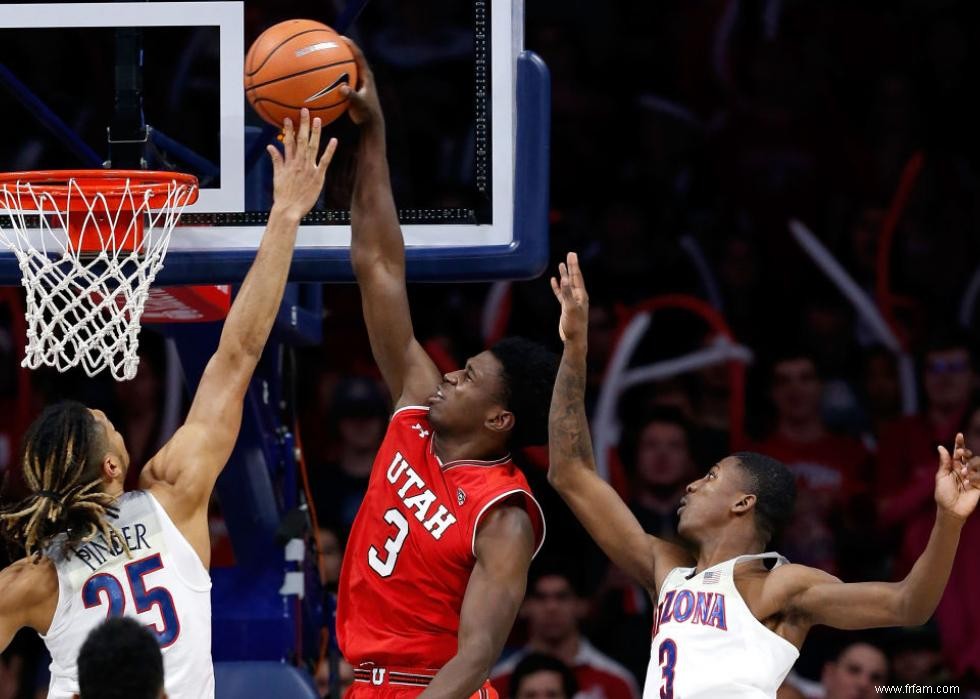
(529, 371)
(120, 659)
(534, 663)
(774, 488)
(658, 414)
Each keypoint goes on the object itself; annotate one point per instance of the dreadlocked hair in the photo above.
(61, 463)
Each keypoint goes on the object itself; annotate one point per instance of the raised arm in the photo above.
(377, 254)
(572, 471)
(504, 548)
(183, 473)
(823, 599)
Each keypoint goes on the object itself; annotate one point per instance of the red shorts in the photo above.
(399, 683)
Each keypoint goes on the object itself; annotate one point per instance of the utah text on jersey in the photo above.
(423, 499)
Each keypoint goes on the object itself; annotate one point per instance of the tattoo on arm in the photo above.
(569, 427)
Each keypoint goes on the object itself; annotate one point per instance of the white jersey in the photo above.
(707, 644)
(163, 584)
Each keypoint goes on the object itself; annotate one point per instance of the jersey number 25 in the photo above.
(103, 587)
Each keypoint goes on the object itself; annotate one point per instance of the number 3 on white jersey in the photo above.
(385, 567)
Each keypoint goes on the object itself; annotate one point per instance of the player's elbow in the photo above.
(908, 610)
(238, 350)
(556, 477)
(478, 655)
(915, 615)
(373, 267)
(565, 475)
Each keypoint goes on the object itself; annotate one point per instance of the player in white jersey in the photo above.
(726, 625)
(93, 551)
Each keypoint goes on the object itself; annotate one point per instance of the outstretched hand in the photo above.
(958, 480)
(569, 288)
(296, 173)
(365, 108)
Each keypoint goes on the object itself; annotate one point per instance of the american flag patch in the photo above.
(712, 577)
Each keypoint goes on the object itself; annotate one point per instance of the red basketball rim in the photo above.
(112, 184)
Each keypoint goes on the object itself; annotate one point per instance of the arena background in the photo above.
(685, 137)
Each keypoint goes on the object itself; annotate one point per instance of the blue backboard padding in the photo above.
(261, 680)
(250, 619)
(525, 257)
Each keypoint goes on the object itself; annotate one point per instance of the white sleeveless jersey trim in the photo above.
(169, 592)
(780, 560)
(517, 491)
(189, 564)
(410, 407)
(708, 644)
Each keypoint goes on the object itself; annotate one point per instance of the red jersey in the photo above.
(411, 548)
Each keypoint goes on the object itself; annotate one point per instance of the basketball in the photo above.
(298, 63)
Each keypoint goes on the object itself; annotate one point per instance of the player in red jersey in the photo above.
(436, 565)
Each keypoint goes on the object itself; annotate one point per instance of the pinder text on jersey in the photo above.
(96, 552)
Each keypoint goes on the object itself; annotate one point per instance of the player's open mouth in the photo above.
(437, 396)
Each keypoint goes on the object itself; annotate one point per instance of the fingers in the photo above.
(327, 154)
(276, 159)
(315, 131)
(363, 69)
(945, 462)
(575, 271)
(971, 468)
(355, 97)
(556, 288)
(962, 459)
(288, 138)
(563, 281)
(303, 137)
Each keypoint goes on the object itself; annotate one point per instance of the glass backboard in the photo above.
(467, 112)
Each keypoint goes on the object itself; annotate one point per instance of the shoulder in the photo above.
(27, 585)
(506, 522)
(790, 576)
(411, 419)
(25, 576)
(510, 508)
(503, 532)
(669, 558)
(775, 591)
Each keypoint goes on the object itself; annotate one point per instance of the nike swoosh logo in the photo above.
(342, 80)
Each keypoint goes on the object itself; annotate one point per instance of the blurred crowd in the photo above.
(706, 126)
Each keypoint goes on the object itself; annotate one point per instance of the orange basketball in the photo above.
(295, 64)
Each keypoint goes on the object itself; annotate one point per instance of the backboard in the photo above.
(467, 112)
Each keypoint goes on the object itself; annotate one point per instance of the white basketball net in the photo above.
(84, 309)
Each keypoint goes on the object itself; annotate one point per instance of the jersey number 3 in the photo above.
(668, 659)
(103, 584)
(385, 567)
